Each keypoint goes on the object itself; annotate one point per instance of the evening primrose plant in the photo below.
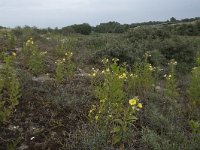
(33, 57)
(36, 62)
(69, 65)
(114, 114)
(61, 48)
(11, 40)
(9, 97)
(141, 79)
(194, 87)
(7, 70)
(170, 85)
(59, 70)
(27, 49)
(64, 67)
(64, 46)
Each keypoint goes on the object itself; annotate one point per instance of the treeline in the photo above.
(186, 26)
(1, 27)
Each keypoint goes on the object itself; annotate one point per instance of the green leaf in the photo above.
(116, 129)
(116, 139)
(132, 118)
(118, 121)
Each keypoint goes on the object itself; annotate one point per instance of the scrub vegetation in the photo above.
(107, 87)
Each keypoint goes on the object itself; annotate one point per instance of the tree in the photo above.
(111, 27)
(84, 28)
(172, 19)
(1, 27)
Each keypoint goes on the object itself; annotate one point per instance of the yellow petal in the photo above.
(139, 105)
(132, 101)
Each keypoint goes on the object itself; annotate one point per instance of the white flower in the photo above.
(32, 138)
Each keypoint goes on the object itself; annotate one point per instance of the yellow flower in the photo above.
(14, 54)
(150, 67)
(115, 60)
(139, 105)
(43, 53)
(133, 75)
(175, 63)
(92, 109)
(102, 100)
(96, 118)
(105, 61)
(108, 70)
(122, 76)
(132, 101)
(103, 72)
(94, 74)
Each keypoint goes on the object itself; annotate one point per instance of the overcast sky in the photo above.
(59, 13)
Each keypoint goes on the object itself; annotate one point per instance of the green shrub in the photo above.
(147, 33)
(131, 47)
(126, 53)
(190, 29)
(181, 50)
(165, 125)
(195, 126)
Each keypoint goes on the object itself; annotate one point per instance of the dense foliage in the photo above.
(82, 28)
